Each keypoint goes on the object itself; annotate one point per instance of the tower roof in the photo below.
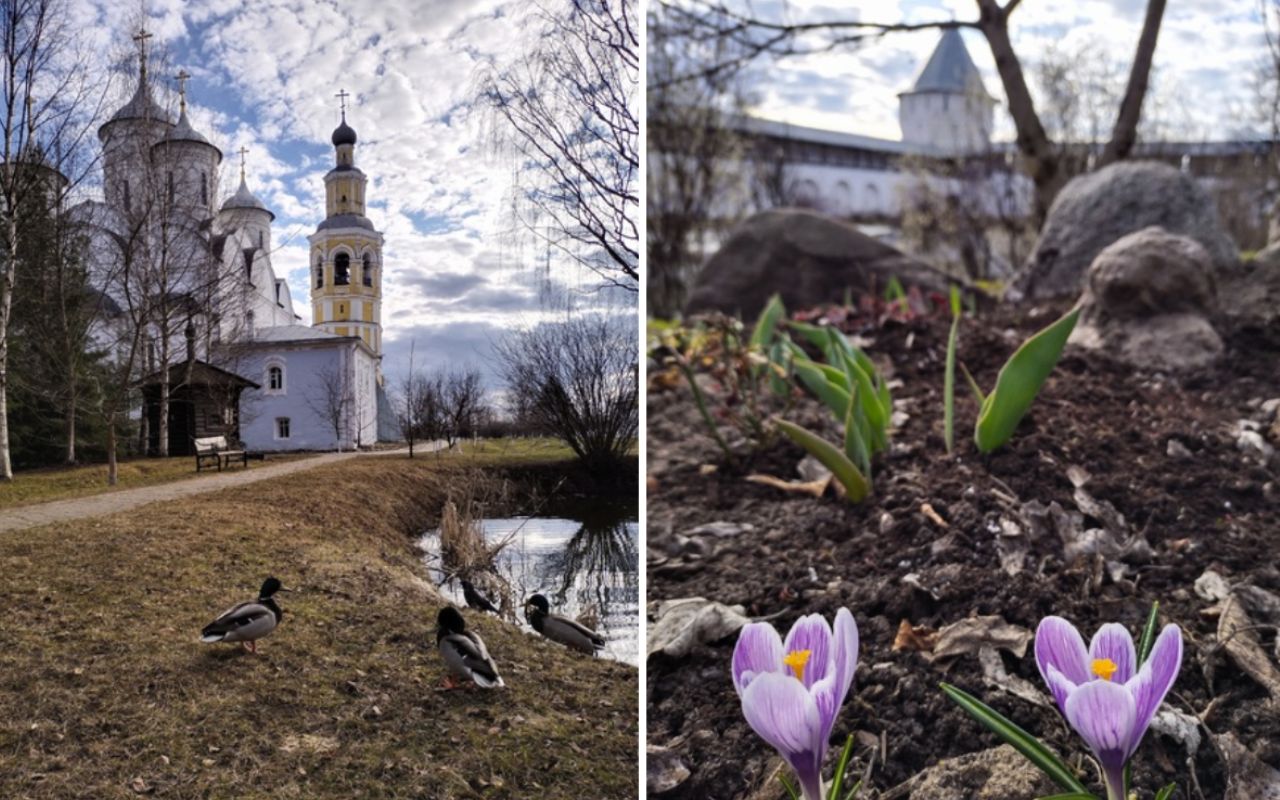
(183, 132)
(243, 198)
(950, 69)
(344, 133)
(140, 106)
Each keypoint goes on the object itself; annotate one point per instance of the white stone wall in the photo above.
(946, 122)
(303, 368)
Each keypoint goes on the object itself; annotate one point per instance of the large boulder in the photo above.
(1094, 210)
(1252, 294)
(807, 258)
(1148, 300)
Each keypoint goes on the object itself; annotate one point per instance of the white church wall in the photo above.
(304, 369)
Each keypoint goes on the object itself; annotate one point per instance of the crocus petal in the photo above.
(846, 655)
(1154, 681)
(1060, 644)
(1112, 641)
(782, 713)
(758, 651)
(1060, 686)
(811, 633)
(1103, 714)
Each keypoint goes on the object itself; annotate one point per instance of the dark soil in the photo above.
(1216, 510)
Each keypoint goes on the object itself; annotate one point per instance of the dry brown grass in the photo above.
(63, 483)
(105, 691)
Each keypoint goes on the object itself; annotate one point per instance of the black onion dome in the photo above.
(344, 134)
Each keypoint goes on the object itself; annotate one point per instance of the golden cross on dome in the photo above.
(342, 99)
(182, 77)
(243, 150)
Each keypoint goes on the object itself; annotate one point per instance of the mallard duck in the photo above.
(249, 621)
(561, 629)
(475, 599)
(464, 652)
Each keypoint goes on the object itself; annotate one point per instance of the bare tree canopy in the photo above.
(579, 381)
(754, 36)
(47, 97)
(568, 109)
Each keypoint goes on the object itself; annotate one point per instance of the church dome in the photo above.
(183, 132)
(245, 199)
(344, 134)
(140, 106)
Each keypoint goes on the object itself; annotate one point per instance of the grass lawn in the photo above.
(106, 691)
(61, 483)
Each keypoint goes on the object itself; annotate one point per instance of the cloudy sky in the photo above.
(1207, 55)
(264, 77)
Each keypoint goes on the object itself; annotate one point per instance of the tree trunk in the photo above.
(1038, 154)
(162, 445)
(6, 304)
(71, 424)
(1125, 133)
(113, 474)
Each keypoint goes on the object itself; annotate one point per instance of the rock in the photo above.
(1000, 773)
(1253, 292)
(807, 258)
(665, 770)
(1097, 209)
(1178, 450)
(1147, 301)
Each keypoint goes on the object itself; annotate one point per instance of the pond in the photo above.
(585, 561)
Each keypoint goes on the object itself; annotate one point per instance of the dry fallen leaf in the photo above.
(1235, 633)
(707, 469)
(968, 636)
(813, 488)
(920, 638)
(680, 625)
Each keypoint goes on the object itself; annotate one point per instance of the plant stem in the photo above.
(702, 407)
(1115, 783)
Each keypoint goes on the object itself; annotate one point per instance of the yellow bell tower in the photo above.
(346, 251)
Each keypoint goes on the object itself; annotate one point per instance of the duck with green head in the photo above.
(464, 652)
(249, 621)
(561, 629)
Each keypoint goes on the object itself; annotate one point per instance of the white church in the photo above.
(221, 347)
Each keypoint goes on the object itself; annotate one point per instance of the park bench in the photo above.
(219, 451)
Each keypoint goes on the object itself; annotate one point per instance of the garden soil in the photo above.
(1202, 503)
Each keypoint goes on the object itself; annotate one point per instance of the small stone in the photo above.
(1252, 442)
(886, 523)
(1178, 450)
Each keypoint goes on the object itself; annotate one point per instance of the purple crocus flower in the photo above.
(792, 691)
(1106, 696)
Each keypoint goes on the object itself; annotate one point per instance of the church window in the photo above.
(319, 274)
(275, 378)
(204, 188)
(366, 274)
(342, 270)
(248, 321)
(282, 427)
(128, 204)
(170, 188)
(261, 240)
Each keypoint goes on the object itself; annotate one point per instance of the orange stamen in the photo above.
(797, 660)
(1104, 668)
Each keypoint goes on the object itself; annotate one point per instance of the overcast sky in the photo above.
(1207, 56)
(265, 75)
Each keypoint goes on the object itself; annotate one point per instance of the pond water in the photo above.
(584, 562)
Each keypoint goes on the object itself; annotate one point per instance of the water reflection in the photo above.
(587, 567)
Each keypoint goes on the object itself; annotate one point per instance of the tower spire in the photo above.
(342, 101)
(243, 151)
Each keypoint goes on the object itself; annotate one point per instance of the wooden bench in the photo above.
(220, 452)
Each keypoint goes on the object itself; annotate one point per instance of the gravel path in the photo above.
(14, 519)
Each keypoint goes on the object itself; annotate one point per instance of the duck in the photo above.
(476, 600)
(464, 652)
(249, 621)
(560, 629)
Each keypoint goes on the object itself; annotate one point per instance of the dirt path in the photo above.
(98, 505)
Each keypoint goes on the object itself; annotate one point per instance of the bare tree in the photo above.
(754, 36)
(580, 378)
(568, 109)
(38, 53)
(695, 161)
(333, 400)
(462, 405)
